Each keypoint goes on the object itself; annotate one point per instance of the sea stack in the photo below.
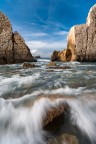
(81, 41)
(12, 46)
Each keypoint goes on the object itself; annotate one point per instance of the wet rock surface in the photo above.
(51, 64)
(12, 46)
(54, 56)
(59, 67)
(28, 65)
(55, 117)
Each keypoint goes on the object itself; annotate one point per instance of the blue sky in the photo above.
(44, 24)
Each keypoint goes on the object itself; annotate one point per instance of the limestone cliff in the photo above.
(81, 41)
(12, 46)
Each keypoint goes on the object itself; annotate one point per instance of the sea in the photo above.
(22, 124)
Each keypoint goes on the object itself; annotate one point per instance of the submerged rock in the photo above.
(55, 117)
(81, 41)
(64, 139)
(51, 64)
(28, 65)
(12, 46)
(59, 67)
(37, 57)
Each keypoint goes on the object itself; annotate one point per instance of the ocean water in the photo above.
(22, 124)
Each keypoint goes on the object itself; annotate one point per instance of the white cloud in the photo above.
(44, 44)
(38, 34)
(33, 51)
(45, 48)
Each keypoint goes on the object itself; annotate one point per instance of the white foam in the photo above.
(43, 60)
(9, 84)
(24, 125)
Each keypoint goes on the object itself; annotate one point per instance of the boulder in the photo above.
(12, 46)
(81, 41)
(28, 65)
(37, 57)
(51, 64)
(59, 67)
(55, 117)
(54, 56)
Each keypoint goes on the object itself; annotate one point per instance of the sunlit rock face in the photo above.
(82, 39)
(12, 46)
(77, 42)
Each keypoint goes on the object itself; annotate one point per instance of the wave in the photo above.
(43, 60)
(24, 124)
(10, 84)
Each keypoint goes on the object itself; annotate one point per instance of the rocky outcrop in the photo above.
(81, 41)
(59, 67)
(28, 65)
(55, 117)
(37, 57)
(54, 56)
(12, 46)
(51, 64)
(6, 43)
(21, 50)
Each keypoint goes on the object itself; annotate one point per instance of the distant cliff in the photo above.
(12, 46)
(81, 41)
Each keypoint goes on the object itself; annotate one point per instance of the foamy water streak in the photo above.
(23, 125)
(9, 84)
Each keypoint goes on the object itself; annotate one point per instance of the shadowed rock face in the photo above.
(81, 41)
(12, 46)
(54, 56)
(21, 50)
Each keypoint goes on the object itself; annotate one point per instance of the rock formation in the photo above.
(28, 65)
(51, 64)
(81, 41)
(12, 46)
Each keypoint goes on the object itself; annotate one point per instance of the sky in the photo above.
(44, 24)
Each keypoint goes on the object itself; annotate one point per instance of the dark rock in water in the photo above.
(55, 117)
(12, 46)
(51, 64)
(64, 139)
(50, 70)
(37, 57)
(54, 56)
(28, 65)
(81, 42)
(59, 67)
